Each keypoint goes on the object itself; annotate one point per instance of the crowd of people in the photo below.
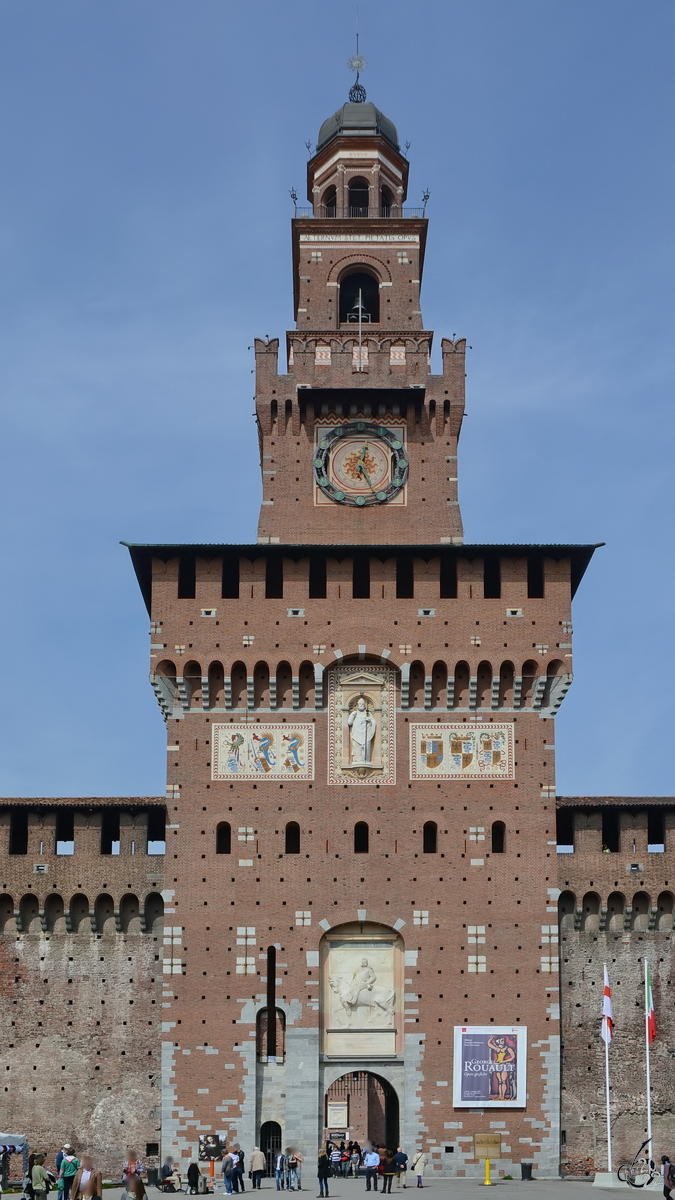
(79, 1179)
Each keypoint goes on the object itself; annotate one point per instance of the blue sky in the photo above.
(148, 148)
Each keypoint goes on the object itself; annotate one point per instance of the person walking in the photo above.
(371, 1160)
(70, 1165)
(39, 1178)
(354, 1161)
(401, 1161)
(280, 1170)
(335, 1160)
(323, 1172)
(388, 1171)
(257, 1167)
(87, 1177)
(418, 1164)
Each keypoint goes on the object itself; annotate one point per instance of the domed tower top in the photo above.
(357, 170)
(357, 119)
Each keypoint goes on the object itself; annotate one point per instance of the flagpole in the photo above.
(609, 1122)
(649, 1082)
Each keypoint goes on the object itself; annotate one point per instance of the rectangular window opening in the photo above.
(18, 831)
(65, 831)
(535, 577)
(156, 831)
(361, 577)
(110, 831)
(448, 577)
(229, 589)
(492, 578)
(186, 577)
(405, 577)
(317, 577)
(564, 830)
(656, 831)
(611, 830)
(274, 577)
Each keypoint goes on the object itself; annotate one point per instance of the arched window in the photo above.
(239, 682)
(6, 914)
(216, 685)
(153, 913)
(430, 837)
(359, 195)
(104, 910)
(498, 837)
(416, 692)
(462, 685)
(261, 685)
(665, 911)
(30, 915)
(284, 685)
(130, 914)
(329, 202)
(306, 685)
(506, 674)
(271, 1036)
(386, 202)
(484, 685)
(55, 919)
(192, 683)
(292, 838)
(439, 685)
(529, 676)
(223, 838)
(359, 292)
(361, 838)
(79, 913)
(640, 913)
(615, 911)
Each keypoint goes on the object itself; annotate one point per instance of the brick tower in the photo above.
(361, 882)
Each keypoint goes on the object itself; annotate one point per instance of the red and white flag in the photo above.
(649, 1006)
(607, 1019)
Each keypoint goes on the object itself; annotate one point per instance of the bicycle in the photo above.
(641, 1172)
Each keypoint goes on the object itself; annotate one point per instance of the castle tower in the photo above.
(361, 882)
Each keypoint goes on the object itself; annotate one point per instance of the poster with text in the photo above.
(490, 1066)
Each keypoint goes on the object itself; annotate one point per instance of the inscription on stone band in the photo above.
(461, 751)
(263, 752)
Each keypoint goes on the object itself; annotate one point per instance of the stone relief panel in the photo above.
(461, 751)
(361, 993)
(361, 725)
(263, 752)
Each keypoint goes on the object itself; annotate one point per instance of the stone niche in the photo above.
(362, 978)
(361, 707)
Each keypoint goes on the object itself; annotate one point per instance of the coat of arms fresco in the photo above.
(461, 751)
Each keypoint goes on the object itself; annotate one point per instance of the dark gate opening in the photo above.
(270, 1143)
(372, 1108)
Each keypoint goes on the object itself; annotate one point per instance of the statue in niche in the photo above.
(362, 727)
(360, 992)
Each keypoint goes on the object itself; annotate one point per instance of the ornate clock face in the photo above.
(361, 463)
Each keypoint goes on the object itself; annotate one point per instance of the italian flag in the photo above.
(649, 1007)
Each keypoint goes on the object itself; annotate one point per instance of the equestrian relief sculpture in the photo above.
(360, 1001)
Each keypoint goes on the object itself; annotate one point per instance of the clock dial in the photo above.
(360, 463)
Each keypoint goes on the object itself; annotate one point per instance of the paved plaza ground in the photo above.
(464, 1189)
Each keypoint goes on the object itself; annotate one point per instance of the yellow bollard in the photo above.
(487, 1182)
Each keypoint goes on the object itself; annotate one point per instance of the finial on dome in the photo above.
(357, 93)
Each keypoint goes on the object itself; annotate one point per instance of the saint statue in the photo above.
(362, 728)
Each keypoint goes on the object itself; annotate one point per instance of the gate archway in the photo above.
(270, 1143)
(370, 1105)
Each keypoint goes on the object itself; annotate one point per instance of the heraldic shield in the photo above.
(432, 752)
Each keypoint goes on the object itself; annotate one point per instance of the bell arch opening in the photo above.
(359, 294)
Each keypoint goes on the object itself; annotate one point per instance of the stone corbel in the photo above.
(428, 682)
(473, 691)
(405, 685)
(183, 693)
(227, 691)
(627, 916)
(538, 691)
(517, 690)
(318, 685)
(653, 917)
(206, 697)
(250, 691)
(92, 920)
(273, 691)
(43, 920)
(17, 920)
(163, 690)
(295, 691)
(118, 920)
(578, 917)
(603, 918)
(495, 691)
(450, 693)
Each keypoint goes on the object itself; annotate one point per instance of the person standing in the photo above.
(418, 1164)
(371, 1160)
(70, 1165)
(335, 1160)
(323, 1172)
(238, 1169)
(228, 1166)
(193, 1174)
(299, 1160)
(355, 1161)
(257, 1166)
(388, 1171)
(87, 1174)
(401, 1161)
(133, 1167)
(280, 1170)
(291, 1169)
(39, 1178)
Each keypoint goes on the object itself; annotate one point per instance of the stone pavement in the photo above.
(459, 1189)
